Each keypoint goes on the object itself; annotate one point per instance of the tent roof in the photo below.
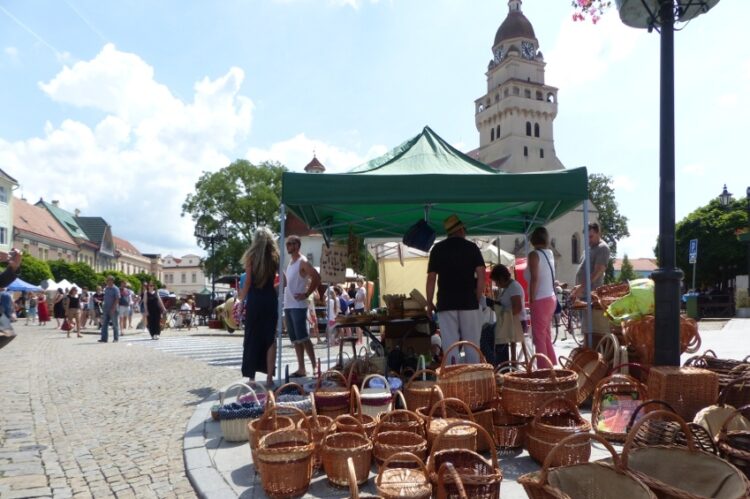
(425, 176)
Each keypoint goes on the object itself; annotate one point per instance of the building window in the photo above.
(183, 278)
(527, 93)
(506, 92)
(539, 96)
(516, 91)
(536, 129)
(574, 249)
(492, 134)
(541, 153)
(194, 278)
(497, 133)
(497, 98)
(551, 98)
(525, 151)
(3, 235)
(528, 129)
(3, 195)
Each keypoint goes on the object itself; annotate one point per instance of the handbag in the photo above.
(507, 330)
(66, 326)
(558, 307)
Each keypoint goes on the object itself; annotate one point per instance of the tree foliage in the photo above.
(614, 226)
(720, 254)
(135, 282)
(146, 277)
(34, 270)
(240, 198)
(627, 273)
(79, 273)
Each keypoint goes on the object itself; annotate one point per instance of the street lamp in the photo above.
(661, 15)
(747, 240)
(211, 237)
(725, 197)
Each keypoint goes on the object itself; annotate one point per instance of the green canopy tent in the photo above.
(426, 178)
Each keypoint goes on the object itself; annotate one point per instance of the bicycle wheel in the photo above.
(575, 327)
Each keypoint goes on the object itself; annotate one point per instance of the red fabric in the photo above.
(541, 320)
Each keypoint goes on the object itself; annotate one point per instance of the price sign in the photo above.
(333, 263)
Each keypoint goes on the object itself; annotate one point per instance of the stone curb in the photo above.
(200, 469)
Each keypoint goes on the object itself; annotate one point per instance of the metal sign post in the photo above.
(693, 257)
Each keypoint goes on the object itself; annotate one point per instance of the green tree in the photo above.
(34, 270)
(627, 273)
(240, 198)
(79, 273)
(720, 253)
(613, 224)
(146, 277)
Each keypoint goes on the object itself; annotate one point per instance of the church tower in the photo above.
(514, 118)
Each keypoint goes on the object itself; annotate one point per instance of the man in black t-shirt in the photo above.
(458, 267)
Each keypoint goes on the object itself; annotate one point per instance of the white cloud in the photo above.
(695, 169)
(136, 165)
(641, 242)
(729, 100)
(296, 152)
(11, 53)
(623, 182)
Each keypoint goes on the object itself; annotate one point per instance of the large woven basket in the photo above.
(375, 400)
(509, 430)
(728, 370)
(712, 418)
(687, 389)
(679, 472)
(525, 392)
(480, 477)
(417, 389)
(734, 445)
(284, 459)
(388, 442)
(338, 447)
(590, 367)
(367, 421)
(667, 431)
(268, 423)
(463, 437)
(293, 395)
(557, 419)
(320, 426)
(447, 472)
(401, 420)
(403, 482)
(472, 383)
(233, 418)
(484, 418)
(615, 399)
(585, 480)
(331, 399)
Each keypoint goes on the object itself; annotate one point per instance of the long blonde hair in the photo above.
(263, 257)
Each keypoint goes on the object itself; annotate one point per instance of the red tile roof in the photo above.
(39, 222)
(639, 264)
(124, 246)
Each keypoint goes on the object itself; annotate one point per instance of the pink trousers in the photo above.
(541, 320)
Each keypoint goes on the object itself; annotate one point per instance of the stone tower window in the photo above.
(497, 133)
(497, 98)
(516, 91)
(539, 95)
(536, 129)
(492, 134)
(506, 92)
(528, 129)
(526, 151)
(527, 93)
(541, 153)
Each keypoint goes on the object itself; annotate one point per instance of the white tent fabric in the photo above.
(48, 285)
(66, 284)
(493, 254)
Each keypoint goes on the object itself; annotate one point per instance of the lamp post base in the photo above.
(667, 316)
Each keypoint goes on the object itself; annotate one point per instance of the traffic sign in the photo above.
(693, 253)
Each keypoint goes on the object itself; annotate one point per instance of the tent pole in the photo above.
(282, 236)
(587, 270)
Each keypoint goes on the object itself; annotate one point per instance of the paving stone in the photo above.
(37, 492)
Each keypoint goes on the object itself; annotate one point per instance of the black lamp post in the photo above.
(661, 15)
(211, 237)
(747, 240)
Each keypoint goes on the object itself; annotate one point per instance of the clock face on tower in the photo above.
(527, 50)
(499, 54)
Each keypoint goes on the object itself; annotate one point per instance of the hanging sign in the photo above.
(333, 263)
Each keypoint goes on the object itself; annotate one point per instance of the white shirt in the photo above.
(545, 284)
(513, 289)
(295, 284)
(359, 298)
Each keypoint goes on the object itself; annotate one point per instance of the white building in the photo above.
(7, 185)
(185, 276)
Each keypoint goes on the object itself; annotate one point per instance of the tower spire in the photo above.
(514, 5)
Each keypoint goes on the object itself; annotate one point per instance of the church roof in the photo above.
(315, 165)
(516, 25)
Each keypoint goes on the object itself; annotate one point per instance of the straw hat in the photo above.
(453, 224)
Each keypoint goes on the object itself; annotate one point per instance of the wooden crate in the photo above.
(686, 389)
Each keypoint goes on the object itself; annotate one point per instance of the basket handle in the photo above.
(509, 365)
(347, 417)
(530, 365)
(421, 363)
(435, 389)
(388, 415)
(417, 373)
(353, 487)
(223, 394)
(400, 395)
(376, 376)
(473, 424)
(296, 386)
(482, 359)
(710, 353)
(653, 415)
(725, 391)
(641, 406)
(331, 373)
(572, 439)
(724, 430)
(695, 342)
(443, 403)
(566, 402)
(401, 456)
(741, 370)
(356, 397)
(447, 468)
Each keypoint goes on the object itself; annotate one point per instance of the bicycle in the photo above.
(569, 319)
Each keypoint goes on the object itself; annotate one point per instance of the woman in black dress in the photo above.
(58, 307)
(259, 297)
(153, 310)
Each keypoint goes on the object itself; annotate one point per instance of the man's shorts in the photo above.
(123, 309)
(72, 313)
(296, 324)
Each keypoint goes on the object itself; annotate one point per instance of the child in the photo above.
(32, 310)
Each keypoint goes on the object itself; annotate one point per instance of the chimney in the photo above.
(77, 212)
(56, 202)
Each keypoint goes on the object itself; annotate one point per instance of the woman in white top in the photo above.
(510, 298)
(360, 298)
(540, 275)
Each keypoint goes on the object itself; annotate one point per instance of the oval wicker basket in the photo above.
(401, 420)
(338, 447)
(268, 423)
(557, 418)
(233, 418)
(590, 367)
(331, 400)
(376, 400)
(417, 391)
(355, 413)
(320, 426)
(459, 437)
(409, 483)
(389, 440)
(508, 430)
(284, 397)
(734, 445)
(614, 401)
(525, 392)
(473, 384)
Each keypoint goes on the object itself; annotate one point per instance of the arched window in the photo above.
(528, 128)
(536, 129)
(541, 153)
(525, 151)
(574, 249)
(497, 132)
(551, 97)
(492, 134)
(539, 95)
(497, 98)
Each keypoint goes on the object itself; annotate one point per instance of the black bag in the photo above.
(420, 236)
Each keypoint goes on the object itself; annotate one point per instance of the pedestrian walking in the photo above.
(123, 305)
(153, 310)
(58, 307)
(72, 304)
(110, 300)
(300, 281)
(33, 310)
(98, 298)
(258, 297)
(85, 302)
(457, 267)
(540, 274)
(43, 310)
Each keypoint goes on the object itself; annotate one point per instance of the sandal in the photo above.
(298, 374)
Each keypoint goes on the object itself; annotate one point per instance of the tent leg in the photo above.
(587, 270)
(282, 236)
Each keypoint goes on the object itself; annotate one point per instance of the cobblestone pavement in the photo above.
(85, 419)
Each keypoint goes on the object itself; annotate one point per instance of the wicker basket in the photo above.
(233, 418)
(401, 420)
(447, 473)
(728, 370)
(401, 482)
(557, 419)
(667, 431)
(484, 418)
(353, 486)
(417, 391)
(474, 384)
(389, 440)
(504, 367)
(268, 423)
(687, 389)
(355, 412)
(285, 396)
(734, 445)
(712, 418)
(332, 400)
(459, 437)
(525, 392)
(615, 399)
(509, 430)
(480, 477)
(376, 400)
(590, 367)
(679, 472)
(338, 447)
(639, 334)
(320, 426)
(586, 480)
(284, 460)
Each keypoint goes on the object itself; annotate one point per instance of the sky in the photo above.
(117, 108)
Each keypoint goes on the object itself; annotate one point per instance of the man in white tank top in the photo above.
(300, 281)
